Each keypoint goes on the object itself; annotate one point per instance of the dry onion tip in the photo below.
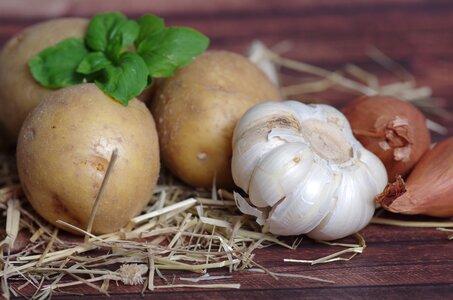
(428, 188)
(393, 129)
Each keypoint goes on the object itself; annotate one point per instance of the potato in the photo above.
(64, 149)
(196, 110)
(19, 92)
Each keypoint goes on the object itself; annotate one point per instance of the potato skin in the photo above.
(196, 110)
(64, 149)
(19, 92)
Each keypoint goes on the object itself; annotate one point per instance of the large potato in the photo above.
(64, 149)
(19, 92)
(196, 111)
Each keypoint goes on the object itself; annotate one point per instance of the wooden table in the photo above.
(398, 262)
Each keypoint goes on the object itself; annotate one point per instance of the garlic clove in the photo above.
(300, 166)
(306, 206)
(267, 186)
(371, 163)
(247, 153)
(428, 189)
(356, 185)
(253, 138)
(265, 189)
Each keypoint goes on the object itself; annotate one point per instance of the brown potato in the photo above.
(64, 149)
(19, 92)
(196, 110)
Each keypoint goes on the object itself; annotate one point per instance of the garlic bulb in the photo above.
(304, 171)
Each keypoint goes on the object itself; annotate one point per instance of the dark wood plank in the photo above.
(379, 292)
(50, 8)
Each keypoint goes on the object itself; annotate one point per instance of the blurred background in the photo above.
(416, 34)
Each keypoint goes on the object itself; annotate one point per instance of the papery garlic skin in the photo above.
(304, 171)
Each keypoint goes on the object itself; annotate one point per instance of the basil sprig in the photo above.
(121, 56)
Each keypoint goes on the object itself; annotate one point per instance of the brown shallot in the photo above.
(393, 129)
(429, 188)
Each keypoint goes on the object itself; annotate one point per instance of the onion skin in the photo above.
(429, 188)
(393, 129)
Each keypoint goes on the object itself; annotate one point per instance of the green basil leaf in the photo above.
(129, 32)
(55, 67)
(149, 24)
(113, 50)
(170, 49)
(124, 80)
(107, 57)
(93, 62)
(102, 29)
(111, 32)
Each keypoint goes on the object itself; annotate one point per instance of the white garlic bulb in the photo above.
(304, 171)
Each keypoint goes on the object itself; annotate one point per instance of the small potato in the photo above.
(196, 111)
(64, 149)
(19, 92)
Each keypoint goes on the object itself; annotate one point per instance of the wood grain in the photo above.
(401, 263)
